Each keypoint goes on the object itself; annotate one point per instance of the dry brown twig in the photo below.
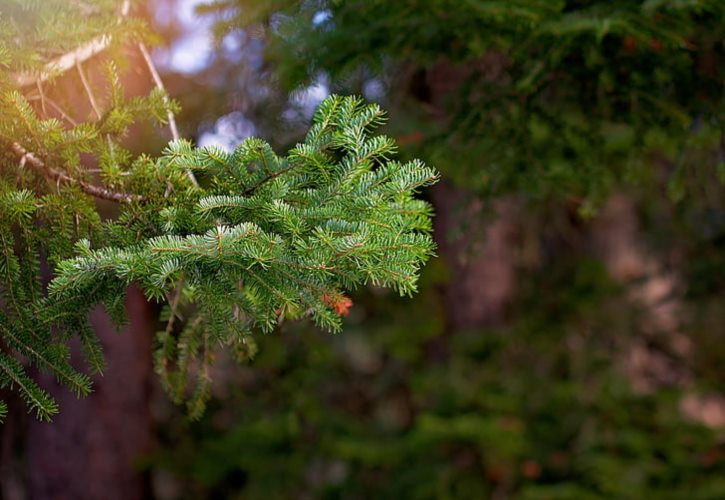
(89, 91)
(65, 62)
(29, 159)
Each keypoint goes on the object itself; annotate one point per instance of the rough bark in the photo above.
(91, 449)
(480, 259)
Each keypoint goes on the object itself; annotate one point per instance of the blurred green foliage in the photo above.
(398, 408)
(565, 98)
(557, 105)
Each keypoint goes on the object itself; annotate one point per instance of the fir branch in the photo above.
(67, 61)
(12, 374)
(269, 237)
(251, 189)
(28, 158)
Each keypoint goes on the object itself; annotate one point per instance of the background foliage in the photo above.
(383, 412)
(582, 140)
(561, 107)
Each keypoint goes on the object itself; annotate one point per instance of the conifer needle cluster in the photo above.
(238, 241)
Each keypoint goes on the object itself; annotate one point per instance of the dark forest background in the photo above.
(567, 342)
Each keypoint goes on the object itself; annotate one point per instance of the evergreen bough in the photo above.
(237, 240)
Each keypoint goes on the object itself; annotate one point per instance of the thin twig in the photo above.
(39, 84)
(56, 107)
(29, 159)
(62, 113)
(89, 91)
(251, 189)
(169, 113)
(174, 305)
(65, 62)
(160, 85)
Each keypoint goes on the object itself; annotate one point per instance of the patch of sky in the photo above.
(193, 50)
(228, 131)
(321, 16)
(303, 102)
(374, 90)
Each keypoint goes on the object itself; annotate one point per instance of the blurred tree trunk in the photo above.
(475, 240)
(480, 257)
(659, 355)
(91, 449)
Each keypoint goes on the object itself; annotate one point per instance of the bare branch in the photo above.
(170, 114)
(56, 107)
(89, 91)
(60, 111)
(160, 85)
(29, 159)
(63, 63)
(42, 97)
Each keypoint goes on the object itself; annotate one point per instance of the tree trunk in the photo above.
(480, 258)
(654, 289)
(91, 449)
(476, 241)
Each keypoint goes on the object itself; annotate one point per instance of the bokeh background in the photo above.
(568, 340)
